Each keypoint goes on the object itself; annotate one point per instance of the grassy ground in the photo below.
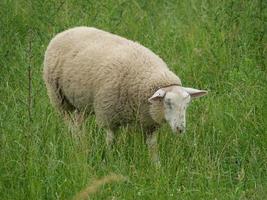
(217, 45)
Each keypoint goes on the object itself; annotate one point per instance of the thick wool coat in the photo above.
(93, 71)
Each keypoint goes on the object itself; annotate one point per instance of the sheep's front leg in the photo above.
(109, 138)
(152, 144)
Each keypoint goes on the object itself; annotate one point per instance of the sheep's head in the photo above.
(170, 103)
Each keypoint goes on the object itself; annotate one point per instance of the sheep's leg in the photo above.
(152, 144)
(78, 118)
(75, 121)
(109, 138)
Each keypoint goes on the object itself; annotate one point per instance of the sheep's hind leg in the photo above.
(152, 144)
(75, 122)
(109, 138)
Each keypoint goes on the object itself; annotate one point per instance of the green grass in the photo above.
(218, 45)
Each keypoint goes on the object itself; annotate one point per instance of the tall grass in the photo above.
(214, 45)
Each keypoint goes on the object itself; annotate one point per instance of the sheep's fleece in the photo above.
(93, 71)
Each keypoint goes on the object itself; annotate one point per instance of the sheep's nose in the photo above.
(180, 129)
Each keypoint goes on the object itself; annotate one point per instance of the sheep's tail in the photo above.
(94, 186)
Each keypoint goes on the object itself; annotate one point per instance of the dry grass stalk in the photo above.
(94, 186)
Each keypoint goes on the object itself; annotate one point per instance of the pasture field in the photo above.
(218, 45)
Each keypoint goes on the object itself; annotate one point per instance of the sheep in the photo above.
(89, 71)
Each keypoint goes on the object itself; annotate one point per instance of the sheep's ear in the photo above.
(159, 94)
(195, 93)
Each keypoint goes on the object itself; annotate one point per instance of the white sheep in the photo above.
(87, 71)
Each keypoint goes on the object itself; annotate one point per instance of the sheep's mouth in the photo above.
(178, 131)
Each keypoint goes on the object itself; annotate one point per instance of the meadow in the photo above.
(217, 45)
